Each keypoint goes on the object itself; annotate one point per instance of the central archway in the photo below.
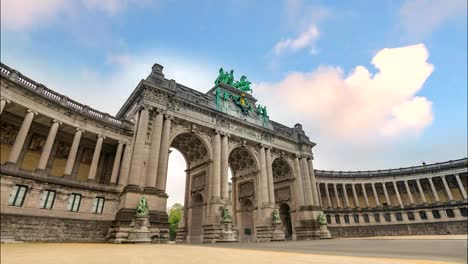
(244, 181)
(197, 156)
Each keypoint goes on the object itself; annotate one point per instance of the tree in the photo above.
(174, 217)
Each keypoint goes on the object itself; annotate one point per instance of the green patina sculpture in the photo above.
(225, 215)
(322, 219)
(275, 217)
(243, 84)
(228, 78)
(142, 208)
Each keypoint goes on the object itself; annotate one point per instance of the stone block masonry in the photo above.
(52, 229)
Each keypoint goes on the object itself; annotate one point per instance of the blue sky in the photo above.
(406, 103)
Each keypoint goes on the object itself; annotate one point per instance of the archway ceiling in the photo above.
(191, 147)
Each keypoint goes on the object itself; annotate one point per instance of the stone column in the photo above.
(164, 154)
(116, 166)
(408, 191)
(421, 191)
(434, 191)
(337, 197)
(319, 195)
(95, 160)
(215, 173)
(48, 145)
(3, 102)
(327, 193)
(447, 189)
(139, 148)
(313, 183)
(307, 186)
(73, 150)
(271, 184)
(224, 168)
(125, 169)
(263, 176)
(21, 136)
(153, 161)
(461, 187)
(345, 195)
(356, 201)
(364, 193)
(387, 198)
(376, 195)
(397, 194)
(299, 185)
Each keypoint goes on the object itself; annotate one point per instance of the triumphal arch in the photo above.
(225, 128)
(85, 172)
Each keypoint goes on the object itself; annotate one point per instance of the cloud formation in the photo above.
(420, 17)
(24, 14)
(360, 106)
(305, 39)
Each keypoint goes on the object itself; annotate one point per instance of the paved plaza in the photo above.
(380, 250)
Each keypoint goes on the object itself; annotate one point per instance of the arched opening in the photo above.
(282, 178)
(244, 170)
(285, 215)
(190, 150)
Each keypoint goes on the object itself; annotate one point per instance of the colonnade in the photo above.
(20, 141)
(384, 185)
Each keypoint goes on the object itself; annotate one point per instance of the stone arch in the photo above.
(242, 159)
(192, 145)
(281, 168)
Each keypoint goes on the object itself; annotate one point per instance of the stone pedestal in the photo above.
(227, 235)
(324, 233)
(278, 233)
(140, 232)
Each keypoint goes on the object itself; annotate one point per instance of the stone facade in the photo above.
(67, 167)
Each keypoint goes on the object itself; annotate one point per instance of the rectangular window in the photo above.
(450, 213)
(377, 218)
(337, 219)
(346, 219)
(328, 219)
(423, 215)
(366, 218)
(464, 211)
(410, 216)
(399, 217)
(98, 205)
(387, 217)
(356, 219)
(47, 199)
(74, 202)
(436, 214)
(17, 195)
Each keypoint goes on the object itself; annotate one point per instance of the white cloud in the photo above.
(305, 39)
(420, 17)
(25, 14)
(110, 7)
(361, 106)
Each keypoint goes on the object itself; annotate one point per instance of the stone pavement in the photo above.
(71, 253)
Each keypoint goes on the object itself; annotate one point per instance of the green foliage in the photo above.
(174, 217)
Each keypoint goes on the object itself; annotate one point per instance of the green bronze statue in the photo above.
(230, 78)
(142, 208)
(275, 217)
(243, 84)
(322, 219)
(225, 215)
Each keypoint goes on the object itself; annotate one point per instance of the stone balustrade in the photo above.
(47, 93)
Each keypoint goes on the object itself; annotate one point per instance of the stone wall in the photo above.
(52, 229)
(445, 228)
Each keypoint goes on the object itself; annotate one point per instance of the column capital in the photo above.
(57, 121)
(101, 136)
(32, 111)
(80, 129)
(5, 99)
(122, 142)
(145, 107)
